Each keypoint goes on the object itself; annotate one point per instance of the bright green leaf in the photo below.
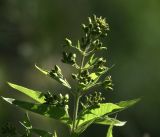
(126, 104)
(93, 76)
(36, 95)
(102, 110)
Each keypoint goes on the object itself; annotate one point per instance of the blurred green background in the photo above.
(32, 31)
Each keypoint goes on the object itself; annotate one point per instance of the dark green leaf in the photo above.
(26, 123)
(42, 133)
(50, 111)
(84, 126)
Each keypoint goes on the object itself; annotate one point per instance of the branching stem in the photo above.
(77, 97)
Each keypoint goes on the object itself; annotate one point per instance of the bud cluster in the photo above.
(69, 58)
(107, 83)
(97, 44)
(93, 100)
(56, 72)
(56, 100)
(83, 78)
(100, 65)
(89, 72)
(97, 26)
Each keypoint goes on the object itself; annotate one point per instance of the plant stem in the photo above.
(75, 113)
(77, 99)
(78, 94)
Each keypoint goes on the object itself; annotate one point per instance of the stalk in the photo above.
(77, 99)
(75, 113)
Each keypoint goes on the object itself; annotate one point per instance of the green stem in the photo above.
(75, 113)
(78, 96)
(77, 99)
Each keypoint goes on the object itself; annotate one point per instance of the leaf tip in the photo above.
(41, 70)
(9, 100)
(9, 83)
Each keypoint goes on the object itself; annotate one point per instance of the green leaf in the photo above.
(43, 133)
(125, 104)
(56, 75)
(50, 111)
(26, 123)
(42, 70)
(110, 130)
(93, 76)
(102, 110)
(128, 103)
(84, 126)
(36, 95)
(90, 64)
(109, 121)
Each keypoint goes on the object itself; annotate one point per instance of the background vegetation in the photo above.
(33, 32)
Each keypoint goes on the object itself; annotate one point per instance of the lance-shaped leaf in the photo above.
(55, 74)
(50, 111)
(125, 104)
(36, 95)
(103, 109)
(128, 103)
(109, 121)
